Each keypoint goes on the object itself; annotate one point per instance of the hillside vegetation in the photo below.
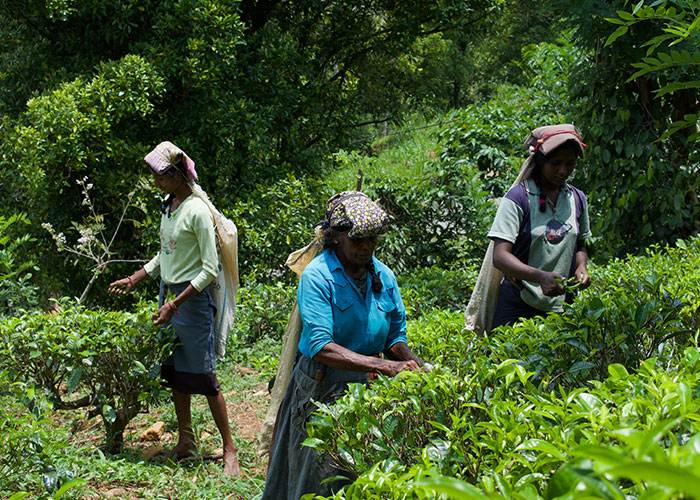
(281, 104)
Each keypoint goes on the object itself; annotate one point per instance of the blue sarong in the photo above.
(194, 327)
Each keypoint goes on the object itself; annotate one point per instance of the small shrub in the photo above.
(490, 427)
(601, 400)
(34, 454)
(637, 308)
(106, 361)
(16, 289)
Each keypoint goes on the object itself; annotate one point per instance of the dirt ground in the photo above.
(246, 412)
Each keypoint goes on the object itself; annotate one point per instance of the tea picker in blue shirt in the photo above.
(352, 312)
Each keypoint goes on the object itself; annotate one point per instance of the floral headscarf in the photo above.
(356, 213)
(166, 155)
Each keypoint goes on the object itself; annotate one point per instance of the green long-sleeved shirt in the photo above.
(187, 246)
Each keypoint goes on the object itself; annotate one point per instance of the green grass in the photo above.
(406, 154)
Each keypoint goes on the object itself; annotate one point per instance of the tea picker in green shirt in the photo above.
(540, 229)
(186, 263)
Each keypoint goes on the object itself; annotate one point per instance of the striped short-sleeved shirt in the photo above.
(544, 240)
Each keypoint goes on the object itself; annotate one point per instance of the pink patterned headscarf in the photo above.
(166, 155)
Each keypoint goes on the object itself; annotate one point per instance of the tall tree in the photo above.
(250, 89)
(643, 182)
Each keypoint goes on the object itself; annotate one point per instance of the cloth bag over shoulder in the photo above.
(297, 262)
(224, 288)
(478, 316)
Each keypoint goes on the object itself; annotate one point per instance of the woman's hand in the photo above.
(581, 276)
(126, 285)
(391, 368)
(551, 283)
(164, 314)
(121, 287)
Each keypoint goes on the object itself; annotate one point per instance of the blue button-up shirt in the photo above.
(333, 310)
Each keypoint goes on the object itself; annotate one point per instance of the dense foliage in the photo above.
(543, 409)
(17, 292)
(250, 95)
(30, 444)
(280, 103)
(643, 182)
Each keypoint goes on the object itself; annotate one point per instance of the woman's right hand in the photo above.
(551, 283)
(391, 368)
(120, 287)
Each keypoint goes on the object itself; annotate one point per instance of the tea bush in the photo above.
(494, 429)
(16, 288)
(601, 400)
(34, 454)
(636, 308)
(106, 361)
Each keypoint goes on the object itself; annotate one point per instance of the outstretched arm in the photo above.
(337, 356)
(126, 285)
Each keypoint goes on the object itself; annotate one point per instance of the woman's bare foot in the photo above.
(183, 449)
(231, 467)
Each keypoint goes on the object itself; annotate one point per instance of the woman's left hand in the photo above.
(164, 314)
(581, 275)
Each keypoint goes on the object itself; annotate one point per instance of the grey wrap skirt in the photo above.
(295, 469)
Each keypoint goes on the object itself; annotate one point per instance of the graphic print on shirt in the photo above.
(555, 231)
(170, 247)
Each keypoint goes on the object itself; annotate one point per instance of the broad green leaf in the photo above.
(19, 495)
(581, 366)
(621, 30)
(656, 434)
(662, 474)
(543, 446)
(572, 477)
(67, 486)
(73, 380)
(618, 371)
(453, 488)
(625, 15)
(599, 454)
(109, 414)
(313, 442)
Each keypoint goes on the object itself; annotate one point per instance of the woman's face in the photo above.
(356, 252)
(167, 183)
(559, 167)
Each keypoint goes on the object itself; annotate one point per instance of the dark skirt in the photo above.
(294, 469)
(510, 307)
(190, 383)
(191, 369)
